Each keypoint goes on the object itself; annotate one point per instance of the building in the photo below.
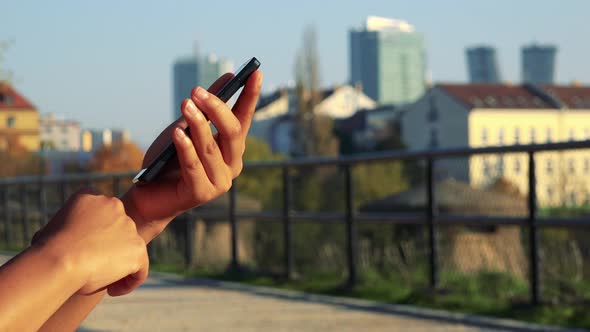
(388, 58)
(479, 115)
(19, 120)
(538, 64)
(59, 134)
(368, 127)
(275, 113)
(482, 65)
(193, 71)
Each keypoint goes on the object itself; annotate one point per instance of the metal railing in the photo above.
(431, 219)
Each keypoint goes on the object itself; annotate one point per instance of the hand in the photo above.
(95, 238)
(207, 162)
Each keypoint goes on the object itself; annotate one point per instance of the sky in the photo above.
(108, 63)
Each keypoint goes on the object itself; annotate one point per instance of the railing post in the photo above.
(287, 227)
(351, 236)
(24, 214)
(116, 186)
(533, 233)
(431, 215)
(6, 215)
(233, 225)
(63, 191)
(42, 202)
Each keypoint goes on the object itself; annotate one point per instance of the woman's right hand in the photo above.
(98, 242)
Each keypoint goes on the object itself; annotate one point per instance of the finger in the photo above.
(229, 128)
(206, 147)
(220, 82)
(191, 168)
(162, 141)
(246, 104)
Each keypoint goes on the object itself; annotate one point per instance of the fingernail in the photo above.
(191, 109)
(179, 133)
(202, 94)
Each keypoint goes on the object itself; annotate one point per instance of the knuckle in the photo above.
(211, 147)
(238, 167)
(234, 130)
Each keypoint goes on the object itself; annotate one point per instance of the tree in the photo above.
(313, 133)
(119, 156)
(5, 75)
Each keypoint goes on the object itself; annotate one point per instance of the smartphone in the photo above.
(151, 172)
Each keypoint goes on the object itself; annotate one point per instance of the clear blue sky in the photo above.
(108, 63)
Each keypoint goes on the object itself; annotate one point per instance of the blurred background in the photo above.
(86, 86)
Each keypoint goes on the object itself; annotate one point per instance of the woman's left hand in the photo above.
(207, 162)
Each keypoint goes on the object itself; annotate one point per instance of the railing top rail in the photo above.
(327, 161)
(420, 154)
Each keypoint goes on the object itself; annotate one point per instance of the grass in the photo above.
(486, 293)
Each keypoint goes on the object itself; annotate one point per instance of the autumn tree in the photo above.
(116, 157)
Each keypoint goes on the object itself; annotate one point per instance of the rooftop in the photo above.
(519, 96)
(11, 99)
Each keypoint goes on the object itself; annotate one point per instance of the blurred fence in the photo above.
(419, 231)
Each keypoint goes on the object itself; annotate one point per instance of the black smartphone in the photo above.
(151, 172)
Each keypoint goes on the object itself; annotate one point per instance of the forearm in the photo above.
(27, 302)
(71, 314)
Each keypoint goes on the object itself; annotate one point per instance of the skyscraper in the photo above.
(388, 58)
(482, 65)
(538, 64)
(189, 72)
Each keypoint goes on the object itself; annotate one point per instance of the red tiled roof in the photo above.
(573, 97)
(10, 98)
(495, 96)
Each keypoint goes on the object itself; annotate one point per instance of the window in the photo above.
(572, 135)
(549, 135)
(433, 138)
(10, 122)
(533, 136)
(572, 198)
(517, 166)
(586, 133)
(586, 166)
(501, 136)
(486, 168)
(517, 135)
(64, 130)
(491, 101)
(572, 165)
(500, 166)
(549, 166)
(484, 136)
(550, 193)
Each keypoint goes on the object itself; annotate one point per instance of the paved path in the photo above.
(166, 303)
(169, 305)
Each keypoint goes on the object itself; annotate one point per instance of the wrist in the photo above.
(148, 228)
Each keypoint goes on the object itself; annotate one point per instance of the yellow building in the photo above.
(479, 115)
(19, 121)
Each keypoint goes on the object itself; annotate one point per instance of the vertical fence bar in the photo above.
(24, 202)
(116, 185)
(432, 214)
(63, 191)
(287, 226)
(533, 233)
(42, 201)
(233, 225)
(351, 236)
(6, 215)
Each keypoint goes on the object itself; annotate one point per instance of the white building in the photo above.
(479, 115)
(275, 113)
(59, 134)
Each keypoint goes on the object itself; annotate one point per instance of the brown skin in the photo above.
(207, 164)
(76, 253)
